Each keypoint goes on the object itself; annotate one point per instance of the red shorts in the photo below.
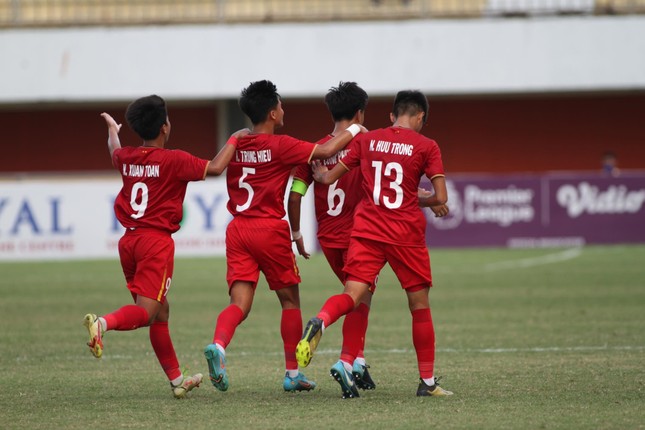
(366, 258)
(147, 259)
(260, 244)
(337, 257)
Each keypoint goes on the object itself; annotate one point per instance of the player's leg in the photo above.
(228, 320)
(290, 330)
(165, 352)
(412, 268)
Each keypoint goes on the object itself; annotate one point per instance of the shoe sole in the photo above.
(218, 379)
(95, 347)
(347, 393)
(361, 383)
(307, 346)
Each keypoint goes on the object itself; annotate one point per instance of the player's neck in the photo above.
(266, 127)
(157, 143)
(339, 126)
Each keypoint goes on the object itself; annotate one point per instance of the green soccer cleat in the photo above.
(362, 377)
(432, 390)
(216, 367)
(307, 345)
(180, 391)
(345, 380)
(299, 383)
(91, 322)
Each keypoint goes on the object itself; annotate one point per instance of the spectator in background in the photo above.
(610, 164)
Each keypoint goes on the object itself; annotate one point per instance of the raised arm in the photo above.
(113, 133)
(218, 164)
(337, 142)
(326, 176)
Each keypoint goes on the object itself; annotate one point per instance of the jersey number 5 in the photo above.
(394, 185)
(245, 172)
(139, 208)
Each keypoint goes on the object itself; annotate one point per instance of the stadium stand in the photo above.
(43, 13)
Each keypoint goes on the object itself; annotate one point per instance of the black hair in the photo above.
(345, 100)
(257, 100)
(146, 116)
(410, 102)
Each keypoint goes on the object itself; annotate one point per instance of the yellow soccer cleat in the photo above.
(432, 390)
(307, 345)
(91, 322)
(186, 385)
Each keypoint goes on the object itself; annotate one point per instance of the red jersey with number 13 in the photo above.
(257, 175)
(154, 186)
(392, 161)
(335, 203)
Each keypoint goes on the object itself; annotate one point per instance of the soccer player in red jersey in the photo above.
(389, 227)
(149, 206)
(334, 206)
(258, 238)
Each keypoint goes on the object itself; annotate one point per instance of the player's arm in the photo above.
(218, 164)
(337, 143)
(113, 133)
(325, 176)
(298, 189)
(435, 201)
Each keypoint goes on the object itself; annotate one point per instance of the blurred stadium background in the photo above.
(526, 96)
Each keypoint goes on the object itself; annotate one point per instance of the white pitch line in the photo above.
(557, 257)
(399, 351)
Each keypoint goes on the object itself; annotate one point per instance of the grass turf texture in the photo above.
(544, 339)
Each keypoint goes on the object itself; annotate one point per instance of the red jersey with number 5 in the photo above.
(392, 161)
(154, 186)
(335, 203)
(258, 174)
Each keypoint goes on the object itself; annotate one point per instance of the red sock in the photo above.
(423, 339)
(335, 307)
(227, 322)
(129, 317)
(291, 330)
(165, 352)
(354, 328)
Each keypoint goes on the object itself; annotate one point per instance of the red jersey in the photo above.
(154, 186)
(335, 203)
(392, 161)
(257, 175)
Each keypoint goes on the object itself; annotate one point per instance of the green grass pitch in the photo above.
(527, 339)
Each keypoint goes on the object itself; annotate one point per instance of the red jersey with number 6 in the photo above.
(257, 175)
(392, 161)
(335, 203)
(154, 186)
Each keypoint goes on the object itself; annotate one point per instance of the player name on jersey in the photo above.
(391, 148)
(140, 171)
(260, 156)
(333, 160)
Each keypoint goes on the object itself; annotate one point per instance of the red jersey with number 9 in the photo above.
(392, 161)
(258, 174)
(154, 186)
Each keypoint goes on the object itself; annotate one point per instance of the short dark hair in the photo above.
(345, 100)
(257, 100)
(146, 116)
(410, 102)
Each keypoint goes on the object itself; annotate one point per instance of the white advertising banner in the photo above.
(63, 218)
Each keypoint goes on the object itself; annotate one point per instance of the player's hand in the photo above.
(363, 129)
(111, 123)
(440, 210)
(318, 170)
(241, 133)
(300, 244)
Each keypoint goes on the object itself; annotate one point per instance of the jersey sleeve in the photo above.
(304, 174)
(189, 167)
(294, 151)
(434, 164)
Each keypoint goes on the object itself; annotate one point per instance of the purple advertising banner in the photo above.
(540, 211)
